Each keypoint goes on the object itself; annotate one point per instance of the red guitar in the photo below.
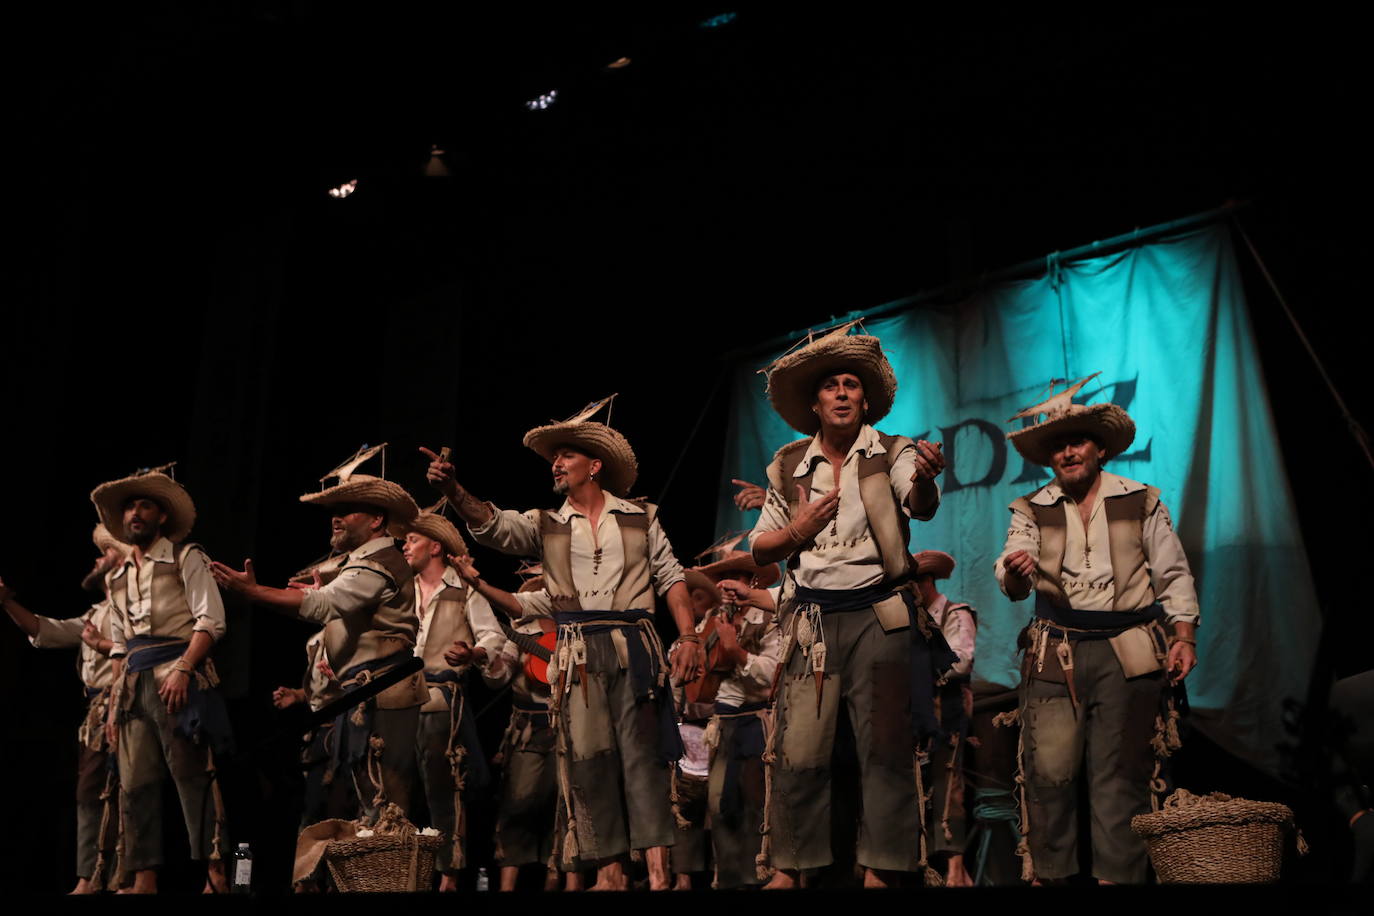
(538, 649)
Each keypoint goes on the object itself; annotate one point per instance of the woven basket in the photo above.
(1215, 839)
(387, 864)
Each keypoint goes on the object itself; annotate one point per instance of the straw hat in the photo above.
(103, 540)
(532, 584)
(619, 467)
(793, 378)
(110, 497)
(739, 564)
(696, 579)
(371, 491)
(1107, 423)
(934, 563)
(435, 527)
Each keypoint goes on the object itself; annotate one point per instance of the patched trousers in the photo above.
(1106, 741)
(735, 834)
(620, 786)
(869, 671)
(149, 749)
(529, 792)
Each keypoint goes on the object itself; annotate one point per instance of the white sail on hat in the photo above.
(619, 467)
(793, 377)
(367, 490)
(1107, 423)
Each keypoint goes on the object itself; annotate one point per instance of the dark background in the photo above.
(189, 292)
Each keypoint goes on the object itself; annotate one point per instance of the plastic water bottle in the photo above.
(482, 879)
(243, 869)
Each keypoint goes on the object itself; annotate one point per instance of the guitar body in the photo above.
(718, 668)
(536, 663)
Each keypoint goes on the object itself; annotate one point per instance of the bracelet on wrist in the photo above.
(690, 637)
(1188, 639)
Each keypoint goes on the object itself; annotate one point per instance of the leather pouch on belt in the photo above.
(1135, 650)
(892, 613)
(413, 691)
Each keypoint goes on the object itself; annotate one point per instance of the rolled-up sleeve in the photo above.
(485, 629)
(202, 594)
(961, 633)
(501, 665)
(1022, 534)
(57, 633)
(667, 571)
(354, 590)
(511, 532)
(1169, 571)
(535, 603)
(899, 475)
(760, 669)
(773, 516)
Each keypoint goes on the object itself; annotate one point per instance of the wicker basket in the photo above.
(1215, 839)
(388, 863)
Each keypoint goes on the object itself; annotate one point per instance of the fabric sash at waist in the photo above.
(93, 692)
(529, 706)
(353, 726)
(744, 709)
(147, 652)
(449, 676)
(602, 621)
(1077, 625)
(839, 600)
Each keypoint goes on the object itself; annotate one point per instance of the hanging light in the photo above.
(620, 63)
(343, 190)
(716, 22)
(543, 101)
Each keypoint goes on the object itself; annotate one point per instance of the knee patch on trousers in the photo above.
(589, 724)
(807, 738)
(1052, 741)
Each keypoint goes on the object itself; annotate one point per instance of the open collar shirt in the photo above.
(202, 594)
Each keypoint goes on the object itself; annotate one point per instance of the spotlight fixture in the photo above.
(543, 101)
(620, 63)
(343, 190)
(716, 22)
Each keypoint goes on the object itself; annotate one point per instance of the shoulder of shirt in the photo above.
(630, 506)
(372, 548)
(796, 450)
(1116, 485)
(876, 436)
(164, 551)
(1047, 495)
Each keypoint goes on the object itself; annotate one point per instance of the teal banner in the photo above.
(1167, 325)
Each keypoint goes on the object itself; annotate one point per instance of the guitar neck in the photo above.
(527, 643)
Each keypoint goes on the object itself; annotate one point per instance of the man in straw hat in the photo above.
(837, 510)
(751, 644)
(165, 716)
(604, 556)
(953, 708)
(457, 622)
(1109, 575)
(368, 615)
(97, 788)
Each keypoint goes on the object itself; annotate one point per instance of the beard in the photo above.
(344, 541)
(140, 537)
(560, 487)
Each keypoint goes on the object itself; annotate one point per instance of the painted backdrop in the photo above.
(1167, 325)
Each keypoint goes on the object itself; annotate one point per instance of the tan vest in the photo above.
(450, 623)
(100, 667)
(390, 628)
(636, 582)
(890, 526)
(170, 613)
(1126, 516)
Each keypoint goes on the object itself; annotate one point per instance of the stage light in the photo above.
(620, 63)
(716, 22)
(436, 168)
(543, 102)
(343, 190)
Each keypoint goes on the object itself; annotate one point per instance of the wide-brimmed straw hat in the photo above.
(934, 563)
(367, 490)
(696, 579)
(619, 467)
(103, 540)
(110, 497)
(1107, 423)
(739, 564)
(793, 377)
(434, 526)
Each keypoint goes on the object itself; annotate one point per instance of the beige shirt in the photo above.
(358, 611)
(507, 667)
(960, 631)
(1087, 569)
(55, 633)
(480, 616)
(596, 578)
(752, 681)
(845, 554)
(202, 595)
